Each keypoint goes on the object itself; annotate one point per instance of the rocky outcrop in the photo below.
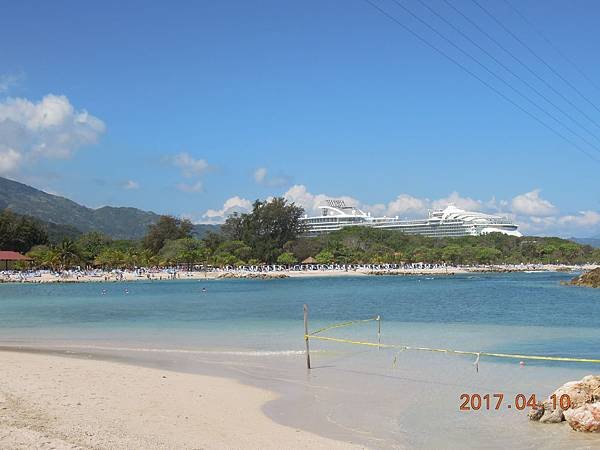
(584, 418)
(260, 276)
(589, 279)
(581, 403)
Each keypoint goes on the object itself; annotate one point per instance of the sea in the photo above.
(253, 331)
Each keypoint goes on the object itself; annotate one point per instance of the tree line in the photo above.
(272, 233)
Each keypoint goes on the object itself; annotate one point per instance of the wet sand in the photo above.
(58, 402)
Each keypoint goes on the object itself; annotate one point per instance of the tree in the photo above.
(267, 228)
(44, 256)
(237, 248)
(167, 228)
(189, 251)
(68, 253)
(304, 247)
(486, 255)
(287, 259)
(324, 257)
(109, 257)
(91, 244)
(225, 259)
(20, 233)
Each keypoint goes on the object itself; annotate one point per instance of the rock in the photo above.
(579, 393)
(245, 275)
(551, 415)
(536, 414)
(588, 279)
(583, 410)
(584, 418)
(593, 382)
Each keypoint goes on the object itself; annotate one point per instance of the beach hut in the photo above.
(309, 260)
(8, 256)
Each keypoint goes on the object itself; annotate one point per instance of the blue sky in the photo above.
(197, 108)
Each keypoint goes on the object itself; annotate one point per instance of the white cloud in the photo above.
(465, 203)
(131, 185)
(9, 160)
(190, 166)
(531, 204)
(50, 128)
(191, 187)
(583, 219)
(231, 205)
(310, 202)
(260, 174)
(406, 204)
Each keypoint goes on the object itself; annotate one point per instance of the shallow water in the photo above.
(252, 330)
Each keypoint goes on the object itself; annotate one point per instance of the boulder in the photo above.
(584, 418)
(589, 279)
(551, 415)
(581, 394)
(538, 413)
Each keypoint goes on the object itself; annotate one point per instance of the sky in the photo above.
(196, 109)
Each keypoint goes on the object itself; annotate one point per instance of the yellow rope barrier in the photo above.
(343, 324)
(438, 350)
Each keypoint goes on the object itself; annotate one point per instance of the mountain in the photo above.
(116, 222)
(594, 242)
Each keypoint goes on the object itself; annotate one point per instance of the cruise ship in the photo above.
(448, 222)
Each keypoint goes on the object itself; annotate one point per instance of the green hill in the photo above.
(116, 222)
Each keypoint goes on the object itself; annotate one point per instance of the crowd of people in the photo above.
(199, 272)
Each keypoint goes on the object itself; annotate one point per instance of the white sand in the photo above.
(47, 277)
(59, 402)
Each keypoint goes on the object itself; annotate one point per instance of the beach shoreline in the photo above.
(275, 273)
(51, 401)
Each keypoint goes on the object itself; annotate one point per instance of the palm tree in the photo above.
(68, 253)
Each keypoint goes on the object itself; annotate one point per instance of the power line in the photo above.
(508, 69)
(534, 53)
(477, 77)
(549, 42)
(516, 58)
(495, 75)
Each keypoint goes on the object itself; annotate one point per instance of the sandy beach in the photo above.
(72, 276)
(60, 402)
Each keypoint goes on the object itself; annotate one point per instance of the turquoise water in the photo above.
(252, 330)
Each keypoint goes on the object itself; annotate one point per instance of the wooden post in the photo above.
(379, 330)
(306, 336)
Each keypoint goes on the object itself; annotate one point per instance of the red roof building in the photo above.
(7, 256)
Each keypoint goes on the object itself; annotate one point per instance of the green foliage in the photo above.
(91, 244)
(287, 259)
(19, 233)
(364, 245)
(267, 228)
(325, 257)
(187, 251)
(68, 254)
(167, 228)
(225, 259)
(44, 256)
(303, 248)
